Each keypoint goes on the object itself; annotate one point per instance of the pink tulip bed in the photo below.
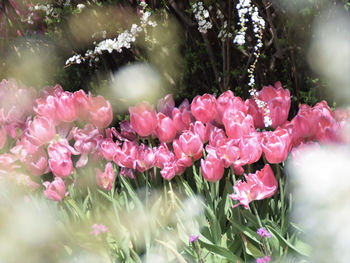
(201, 182)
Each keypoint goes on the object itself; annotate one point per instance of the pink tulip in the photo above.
(191, 144)
(250, 149)
(105, 180)
(87, 141)
(227, 152)
(212, 168)
(143, 119)
(81, 104)
(228, 102)
(127, 155)
(55, 190)
(327, 127)
(165, 130)
(36, 163)
(258, 186)
(101, 113)
(278, 101)
(126, 131)
(54, 91)
(166, 105)
(203, 108)
(276, 145)
(145, 158)
(16, 103)
(108, 148)
(41, 131)
(60, 161)
(237, 124)
(256, 113)
(47, 107)
(217, 136)
(163, 155)
(203, 130)
(168, 171)
(65, 108)
(223, 102)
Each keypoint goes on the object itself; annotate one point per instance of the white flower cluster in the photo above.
(224, 32)
(245, 7)
(201, 14)
(48, 9)
(123, 40)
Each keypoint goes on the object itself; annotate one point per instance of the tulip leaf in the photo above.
(221, 251)
(301, 248)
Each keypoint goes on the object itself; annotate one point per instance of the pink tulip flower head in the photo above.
(41, 130)
(47, 107)
(203, 130)
(60, 161)
(126, 131)
(190, 145)
(165, 130)
(276, 145)
(65, 108)
(182, 116)
(108, 148)
(258, 186)
(163, 155)
(55, 190)
(169, 170)
(101, 113)
(81, 104)
(166, 105)
(238, 124)
(143, 119)
(278, 101)
(228, 102)
(145, 158)
(127, 156)
(25, 180)
(250, 149)
(212, 168)
(203, 108)
(36, 163)
(105, 180)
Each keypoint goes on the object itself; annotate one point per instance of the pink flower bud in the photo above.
(203, 108)
(145, 158)
(143, 119)
(276, 145)
(166, 105)
(60, 161)
(105, 180)
(165, 130)
(101, 113)
(212, 168)
(56, 190)
(65, 107)
(81, 104)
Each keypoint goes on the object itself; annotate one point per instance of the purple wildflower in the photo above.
(193, 238)
(266, 259)
(262, 232)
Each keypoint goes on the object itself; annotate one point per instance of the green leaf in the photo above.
(221, 251)
(302, 248)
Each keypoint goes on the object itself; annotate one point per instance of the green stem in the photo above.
(279, 178)
(256, 214)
